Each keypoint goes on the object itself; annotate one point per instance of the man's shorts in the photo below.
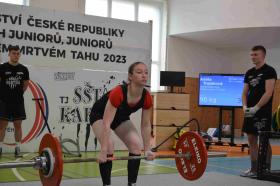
(12, 111)
(260, 122)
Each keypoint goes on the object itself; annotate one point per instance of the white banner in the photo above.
(59, 39)
(73, 60)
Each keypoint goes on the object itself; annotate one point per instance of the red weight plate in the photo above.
(51, 142)
(193, 168)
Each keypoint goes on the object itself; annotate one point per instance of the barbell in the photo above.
(190, 157)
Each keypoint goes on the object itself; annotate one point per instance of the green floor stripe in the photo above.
(7, 175)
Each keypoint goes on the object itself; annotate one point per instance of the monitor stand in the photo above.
(231, 143)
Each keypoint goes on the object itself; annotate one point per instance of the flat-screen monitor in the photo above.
(221, 90)
(172, 78)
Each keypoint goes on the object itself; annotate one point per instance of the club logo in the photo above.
(39, 124)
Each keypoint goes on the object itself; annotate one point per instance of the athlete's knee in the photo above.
(134, 147)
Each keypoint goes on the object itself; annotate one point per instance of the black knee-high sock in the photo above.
(105, 171)
(132, 168)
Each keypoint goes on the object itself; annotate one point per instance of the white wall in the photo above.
(273, 59)
(240, 59)
(197, 15)
(194, 58)
(77, 6)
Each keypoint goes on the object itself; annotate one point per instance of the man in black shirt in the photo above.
(257, 97)
(13, 82)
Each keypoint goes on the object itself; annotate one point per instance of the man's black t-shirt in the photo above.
(11, 83)
(256, 78)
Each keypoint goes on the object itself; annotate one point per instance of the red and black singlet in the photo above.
(118, 98)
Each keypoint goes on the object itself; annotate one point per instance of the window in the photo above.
(138, 10)
(17, 2)
(146, 13)
(155, 77)
(153, 11)
(118, 8)
(97, 7)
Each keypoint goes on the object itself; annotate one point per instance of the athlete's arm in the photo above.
(146, 128)
(269, 88)
(25, 85)
(25, 80)
(244, 95)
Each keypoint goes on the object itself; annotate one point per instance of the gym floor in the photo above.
(219, 171)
